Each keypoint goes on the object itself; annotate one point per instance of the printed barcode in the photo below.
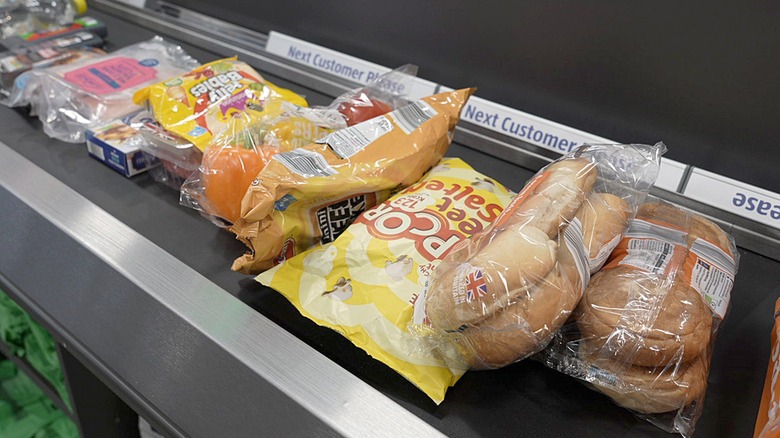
(413, 115)
(714, 255)
(347, 142)
(648, 230)
(95, 150)
(305, 163)
(575, 240)
(648, 254)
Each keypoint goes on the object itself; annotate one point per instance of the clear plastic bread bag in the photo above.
(501, 295)
(644, 330)
(69, 99)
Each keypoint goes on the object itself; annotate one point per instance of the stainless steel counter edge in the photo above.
(317, 384)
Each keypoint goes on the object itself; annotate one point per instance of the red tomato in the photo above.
(362, 108)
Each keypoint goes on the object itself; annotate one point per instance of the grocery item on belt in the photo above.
(768, 421)
(308, 196)
(21, 91)
(644, 329)
(500, 296)
(44, 54)
(115, 144)
(236, 155)
(300, 126)
(229, 166)
(59, 31)
(380, 96)
(365, 283)
(75, 97)
(178, 158)
(198, 104)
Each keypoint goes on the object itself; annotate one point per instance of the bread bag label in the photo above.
(662, 248)
(366, 283)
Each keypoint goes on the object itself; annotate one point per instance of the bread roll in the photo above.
(604, 217)
(515, 260)
(527, 325)
(555, 200)
(633, 316)
(651, 390)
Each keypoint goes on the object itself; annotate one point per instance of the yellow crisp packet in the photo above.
(366, 282)
(199, 104)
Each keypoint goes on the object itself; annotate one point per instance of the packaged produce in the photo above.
(197, 105)
(236, 155)
(643, 332)
(768, 421)
(116, 145)
(365, 283)
(500, 296)
(72, 98)
(178, 158)
(308, 196)
(44, 54)
(20, 18)
(21, 91)
(378, 97)
(228, 167)
(300, 126)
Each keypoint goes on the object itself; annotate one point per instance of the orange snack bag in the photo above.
(768, 423)
(308, 196)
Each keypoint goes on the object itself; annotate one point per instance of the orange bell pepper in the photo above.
(228, 173)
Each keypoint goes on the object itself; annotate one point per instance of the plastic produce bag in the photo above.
(178, 157)
(15, 64)
(365, 283)
(768, 422)
(197, 105)
(500, 296)
(26, 92)
(644, 330)
(229, 166)
(299, 126)
(308, 196)
(386, 93)
(75, 97)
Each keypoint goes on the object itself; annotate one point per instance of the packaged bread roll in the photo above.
(768, 420)
(643, 332)
(501, 295)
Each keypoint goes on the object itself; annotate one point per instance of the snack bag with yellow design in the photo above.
(365, 283)
(308, 196)
(198, 105)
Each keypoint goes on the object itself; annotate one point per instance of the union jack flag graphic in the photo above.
(475, 285)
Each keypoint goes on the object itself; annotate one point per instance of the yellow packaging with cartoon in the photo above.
(307, 196)
(198, 105)
(366, 282)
